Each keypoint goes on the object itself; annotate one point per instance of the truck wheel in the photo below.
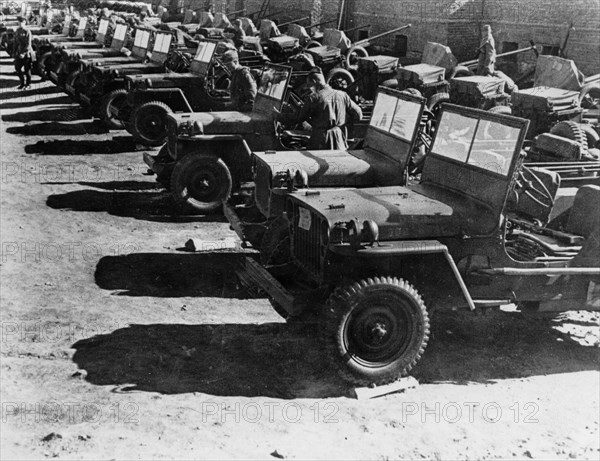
(460, 71)
(44, 65)
(571, 130)
(149, 123)
(375, 330)
(113, 100)
(354, 53)
(201, 183)
(340, 79)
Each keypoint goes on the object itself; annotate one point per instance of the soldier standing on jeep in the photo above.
(243, 85)
(328, 111)
(487, 52)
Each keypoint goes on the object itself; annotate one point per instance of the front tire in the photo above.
(114, 99)
(375, 330)
(201, 183)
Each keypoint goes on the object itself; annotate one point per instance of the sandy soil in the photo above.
(118, 345)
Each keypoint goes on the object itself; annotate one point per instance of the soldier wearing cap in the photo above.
(23, 53)
(328, 111)
(243, 85)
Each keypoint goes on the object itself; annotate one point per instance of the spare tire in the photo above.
(571, 130)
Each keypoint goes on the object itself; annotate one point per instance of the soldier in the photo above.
(23, 54)
(237, 33)
(487, 53)
(328, 111)
(243, 85)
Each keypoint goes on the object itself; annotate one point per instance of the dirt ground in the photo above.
(116, 344)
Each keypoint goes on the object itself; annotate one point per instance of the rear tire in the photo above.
(375, 330)
(148, 123)
(201, 183)
(571, 130)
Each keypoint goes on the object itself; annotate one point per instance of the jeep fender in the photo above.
(407, 248)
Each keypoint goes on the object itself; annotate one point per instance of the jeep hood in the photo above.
(418, 212)
(225, 122)
(331, 168)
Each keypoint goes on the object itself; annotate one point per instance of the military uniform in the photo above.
(23, 54)
(327, 111)
(243, 89)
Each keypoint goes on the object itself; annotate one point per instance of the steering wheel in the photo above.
(534, 188)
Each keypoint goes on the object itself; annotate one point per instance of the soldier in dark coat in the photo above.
(243, 86)
(328, 111)
(487, 53)
(23, 54)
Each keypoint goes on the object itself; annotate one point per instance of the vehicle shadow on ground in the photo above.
(20, 105)
(35, 90)
(275, 360)
(52, 114)
(149, 206)
(171, 275)
(117, 145)
(57, 129)
(466, 347)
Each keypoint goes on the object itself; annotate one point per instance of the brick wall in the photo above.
(546, 23)
(457, 23)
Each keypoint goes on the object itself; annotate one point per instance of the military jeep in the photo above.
(477, 231)
(208, 154)
(204, 88)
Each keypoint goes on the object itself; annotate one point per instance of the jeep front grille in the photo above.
(307, 248)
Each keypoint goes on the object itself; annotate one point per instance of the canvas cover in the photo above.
(478, 86)
(299, 32)
(545, 99)
(557, 72)
(268, 29)
(420, 74)
(440, 55)
(337, 39)
(378, 64)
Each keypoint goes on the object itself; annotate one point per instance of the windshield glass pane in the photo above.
(454, 136)
(120, 32)
(383, 112)
(205, 52)
(273, 82)
(494, 146)
(103, 26)
(405, 119)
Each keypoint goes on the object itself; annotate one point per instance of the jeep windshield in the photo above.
(273, 82)
(486, 144)
(396, 116)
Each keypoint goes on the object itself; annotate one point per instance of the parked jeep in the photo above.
(150, 98)
(104, 85)
(208, 154)
(476, 231)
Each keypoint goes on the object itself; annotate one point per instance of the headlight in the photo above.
(149, 83)
(115, 72)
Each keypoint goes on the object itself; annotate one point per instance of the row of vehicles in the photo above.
(343, 237)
